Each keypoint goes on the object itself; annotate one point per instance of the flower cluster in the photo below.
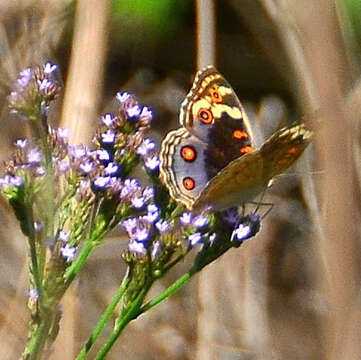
(34, 89)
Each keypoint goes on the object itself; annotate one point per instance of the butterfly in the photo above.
(212, 159)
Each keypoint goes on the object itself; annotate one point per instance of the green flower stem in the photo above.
(38, 335)
(168, 292)
(127, 315)
(78, 264)
(104, 319)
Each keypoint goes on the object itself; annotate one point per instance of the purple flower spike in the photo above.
(195, 238)
(163, 226)
(137, 248)
(108, 119)
(186, 218)
(152, 163)
(68, 252)
(133, 111)
(122, 97)
(141, 234)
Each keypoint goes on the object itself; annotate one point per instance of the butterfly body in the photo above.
(212, 158)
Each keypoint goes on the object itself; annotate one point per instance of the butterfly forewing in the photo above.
(212, 112)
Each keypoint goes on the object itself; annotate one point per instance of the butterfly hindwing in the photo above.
(185, 165)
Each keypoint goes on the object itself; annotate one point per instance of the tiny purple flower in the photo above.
(68, 252)
(152, 163)
(102, 181)
(24, 77)
(163, 226)
(21, 143)
(78, 151)
(146, 146)
(156, 248)
(38, 226)
(130, 186)
(186, 218)
(103, 155)
(111, 168)
(212, 238)
(33, 294)
(122, 97)
(40, 171)
(200, 221)
(141, 234)
(49, 68)
(63, 133)
(34, 156)
(152, 214)
(44, 84)
(138, 202)
(195, 238)
(63, 235)
(241, 232)
(108, 137)
(137, 248)
(16, 181)
(148, 193)
(146, 114)
(86, 167)
(134, 111)
(108, 119)
(130, 224)
(5, 180)
(63, 165)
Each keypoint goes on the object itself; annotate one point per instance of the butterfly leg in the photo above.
(259, 204)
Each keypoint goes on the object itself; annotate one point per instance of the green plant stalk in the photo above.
(78, 264)
(38, 335)
(177, 285)
(104, 319)
(127, 315)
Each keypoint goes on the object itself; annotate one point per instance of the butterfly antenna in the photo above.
(259, 202)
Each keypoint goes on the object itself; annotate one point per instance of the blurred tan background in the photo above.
(293, 292)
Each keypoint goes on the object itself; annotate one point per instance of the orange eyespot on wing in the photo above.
(240, 134)
(292, 150)
(245, 150)
(188, 153)
(215, 95)
(205, 116)
(189, 183)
